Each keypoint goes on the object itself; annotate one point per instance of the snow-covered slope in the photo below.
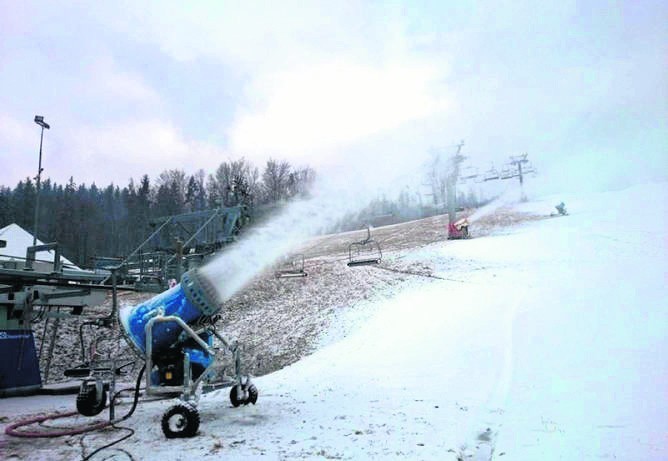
(544, 341)
(552, 347)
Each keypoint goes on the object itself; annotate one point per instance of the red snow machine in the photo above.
(458, 230)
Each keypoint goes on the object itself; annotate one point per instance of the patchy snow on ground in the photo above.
(542, 340)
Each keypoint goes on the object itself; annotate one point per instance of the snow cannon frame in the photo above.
(173, 333)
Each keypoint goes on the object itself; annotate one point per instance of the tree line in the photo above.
(89, 221)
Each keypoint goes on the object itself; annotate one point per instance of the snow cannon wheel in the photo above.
(88, 403)
(252, 395)
(180, 421)
(248, 393)
(234, 395)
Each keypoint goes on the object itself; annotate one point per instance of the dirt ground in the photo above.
(279, 320)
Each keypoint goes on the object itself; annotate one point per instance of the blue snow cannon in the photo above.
(173, 333)
(170, 320)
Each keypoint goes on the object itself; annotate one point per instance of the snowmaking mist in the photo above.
(265, 244)
(341, 193)
(510, 196)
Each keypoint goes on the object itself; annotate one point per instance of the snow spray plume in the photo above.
(263, 245)
(347, 187)
(509, 197)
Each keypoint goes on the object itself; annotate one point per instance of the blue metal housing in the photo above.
(191, 299)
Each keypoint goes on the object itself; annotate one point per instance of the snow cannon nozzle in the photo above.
(191, 300)
(200, 292)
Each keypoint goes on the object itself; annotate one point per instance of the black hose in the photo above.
(81, 340)
(126, 416)
(130, 433)
(136, 396)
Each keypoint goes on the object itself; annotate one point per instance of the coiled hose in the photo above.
(12, 429)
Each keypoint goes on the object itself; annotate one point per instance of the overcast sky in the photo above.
(138, 87)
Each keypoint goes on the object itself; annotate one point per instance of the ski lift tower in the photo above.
(518, 161)
(457, 159)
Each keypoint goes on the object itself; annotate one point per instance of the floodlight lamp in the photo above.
(39, 119)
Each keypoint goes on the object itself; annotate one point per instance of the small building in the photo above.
(17, 242)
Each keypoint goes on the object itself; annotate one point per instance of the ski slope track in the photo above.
(543, 340)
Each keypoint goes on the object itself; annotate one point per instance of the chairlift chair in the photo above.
(529, 169)
(507, 173)
(291, 268)
(365, 252)
(469, 172)
(491, 174)
(466, 173)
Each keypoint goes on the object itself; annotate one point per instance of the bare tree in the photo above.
(437, 174)
(235, 182)
(300, 182)
(175, 181)
(276, 179)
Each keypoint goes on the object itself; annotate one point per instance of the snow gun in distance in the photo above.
(458, 229)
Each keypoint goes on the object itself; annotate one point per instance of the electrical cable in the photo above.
(130, 433)
(113, 423)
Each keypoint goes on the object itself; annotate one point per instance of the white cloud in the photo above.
(15, 138)
(117, 152)
(14, 134)
(372, 84)
(246, 34)
(106, 80)
(335, 103)
(113, 152)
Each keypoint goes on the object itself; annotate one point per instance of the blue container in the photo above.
(191, 299)
(19, 367)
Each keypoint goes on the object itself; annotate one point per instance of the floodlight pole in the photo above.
(40, 121)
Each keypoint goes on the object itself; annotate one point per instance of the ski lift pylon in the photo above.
(364, 252)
